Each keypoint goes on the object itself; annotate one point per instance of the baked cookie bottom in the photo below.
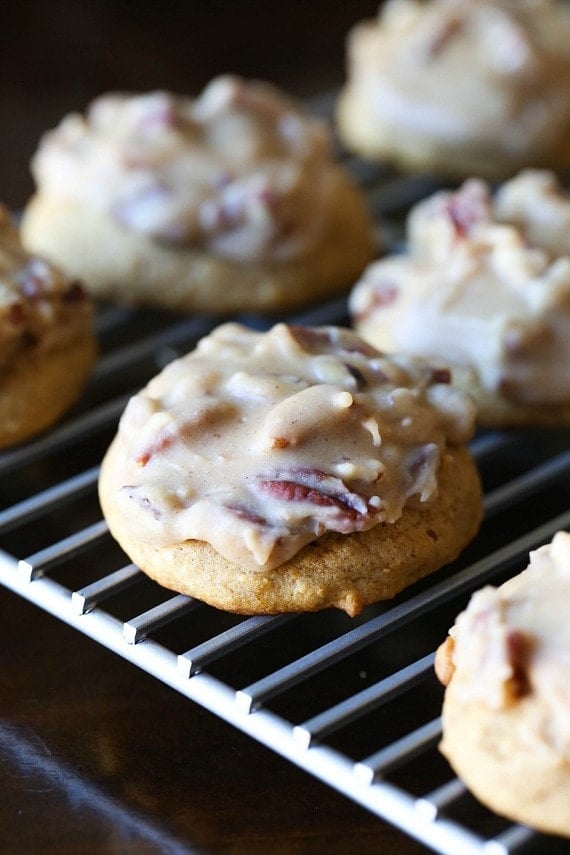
(130, 268)
(37, 388)
(371, 138)
(337, 570)
(516, 775)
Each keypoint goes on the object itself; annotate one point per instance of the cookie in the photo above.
(292, 470)
(460, 88)
(47, 345)
(483, 286)
(225, 203)
(506, 712)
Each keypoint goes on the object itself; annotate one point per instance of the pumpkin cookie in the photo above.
(47, 345)
(484, 286)
(506, 713)
(292, 470)
(460, 87)
(228, 202)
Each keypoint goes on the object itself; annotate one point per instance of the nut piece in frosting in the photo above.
(47, 345)
(280, 471)
(506, 714)
(484, 286)
(228, 201)
(460, 87)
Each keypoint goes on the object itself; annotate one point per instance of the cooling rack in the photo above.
(354, 702)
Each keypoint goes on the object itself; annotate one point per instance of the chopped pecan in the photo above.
(361, 381)
(281, 442)
(518, 650)
(353, 511)
(440, 375)
(154, 448)
(75, 293)
(164, 439)
(175, 431)
(421, 457)
(466, 207)
(361, 348)
(247, 515)
(385, 293)
(311, 338)
(143, 501)
(442, 36)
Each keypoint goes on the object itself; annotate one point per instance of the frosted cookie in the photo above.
(506, 713)
(292, 470)
(484, 286)
(460, 87)
(228, 202)
(47, 345)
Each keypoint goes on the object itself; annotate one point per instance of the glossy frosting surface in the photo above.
(241, 171)
(484, 284)
(259, 443)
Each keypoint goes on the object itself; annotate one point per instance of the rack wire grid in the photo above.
(353, 701)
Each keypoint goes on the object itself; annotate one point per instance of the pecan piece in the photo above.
(281, 442)
(161, 443)
(361, 381)
(247, 515)
(466, 207)
(518, 650)
(441, 36)
(310, 338)
(175, 431)
(353, 510)
(385, 293)
(440, 375)
(144, 501)
(75, 294)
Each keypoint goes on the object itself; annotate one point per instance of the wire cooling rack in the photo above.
(354, 702)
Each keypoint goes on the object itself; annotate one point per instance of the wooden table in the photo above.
(99, 757)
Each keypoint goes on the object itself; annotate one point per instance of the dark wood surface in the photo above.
(96, 756)
(56, 55)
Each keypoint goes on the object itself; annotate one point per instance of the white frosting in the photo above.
(260, 443)
(484, 285)
(38, 304)
(241, 171)
(514, 641)
(489, 76)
